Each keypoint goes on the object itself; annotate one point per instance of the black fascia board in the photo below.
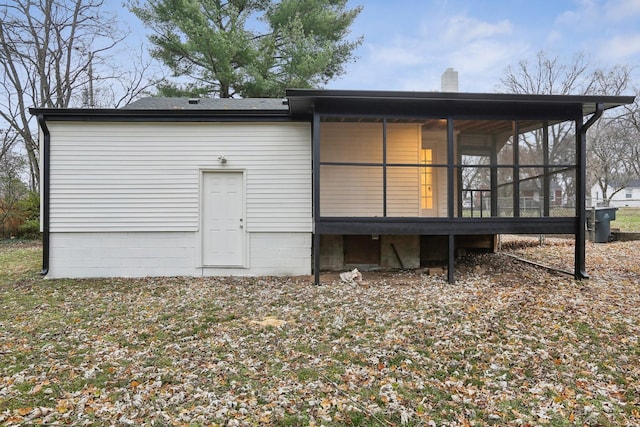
(186, 115)
(613, 100)
(441, 109)
(303, 102)
(445, 226)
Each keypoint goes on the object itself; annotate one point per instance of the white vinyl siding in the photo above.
(441, 179)
(440, 157)
(403, 183)
(351, 142)
(620, 199)
(351, 190)
(358, 190)
(146, 176)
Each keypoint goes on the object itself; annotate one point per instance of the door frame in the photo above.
(433, 146)
(201, 234)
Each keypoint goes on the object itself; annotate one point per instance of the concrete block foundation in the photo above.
(339, 252)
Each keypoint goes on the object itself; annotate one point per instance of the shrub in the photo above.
(30, 229)
(29, 206)
(20, 217)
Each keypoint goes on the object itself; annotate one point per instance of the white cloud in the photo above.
(482, 55)
(482, 64)
(620, 47)
(583, 15)
(607, 30)
(553, 37)
(480, 50)
(413, 52)
(590, 13)
(462, 29)
(622, 10)
(401, 54)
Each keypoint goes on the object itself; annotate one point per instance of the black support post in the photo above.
(451, 259)
(516, 170)
(494, 176)
(316, 259)
(460, 184)
(546, 183)
(315, 143)
(384, 167)
(580, 268)
(581, 178)
(451, 196)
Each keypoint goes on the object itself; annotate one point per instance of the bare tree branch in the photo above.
(613, 144)
(49, 51)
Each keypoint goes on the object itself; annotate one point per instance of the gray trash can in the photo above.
(599, 224)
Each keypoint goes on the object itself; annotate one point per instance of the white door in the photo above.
(223, 219)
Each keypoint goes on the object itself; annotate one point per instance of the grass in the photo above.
(627, 219)
(511, 346)
(19, 260)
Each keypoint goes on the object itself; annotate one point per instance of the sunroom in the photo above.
(405, 179)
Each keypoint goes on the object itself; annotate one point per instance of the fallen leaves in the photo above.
(506, 344)
(269, 321)
(23, 411)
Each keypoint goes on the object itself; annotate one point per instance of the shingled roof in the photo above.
(167, 103)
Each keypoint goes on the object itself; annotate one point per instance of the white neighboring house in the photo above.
(146, 190)
(627, 197)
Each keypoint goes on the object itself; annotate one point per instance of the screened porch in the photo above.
(416, 167)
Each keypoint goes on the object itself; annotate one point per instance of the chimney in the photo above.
(449, 80)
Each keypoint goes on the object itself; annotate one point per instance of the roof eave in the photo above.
(454, 96)
(301, 100)
(83, 114)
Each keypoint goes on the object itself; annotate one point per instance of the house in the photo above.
(629, 196)
(532, 193)
(321, 179)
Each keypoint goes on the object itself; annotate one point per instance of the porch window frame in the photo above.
(554, 109)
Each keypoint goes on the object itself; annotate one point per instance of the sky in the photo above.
(408, 44)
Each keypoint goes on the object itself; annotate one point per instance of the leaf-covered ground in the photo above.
(507, 344)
